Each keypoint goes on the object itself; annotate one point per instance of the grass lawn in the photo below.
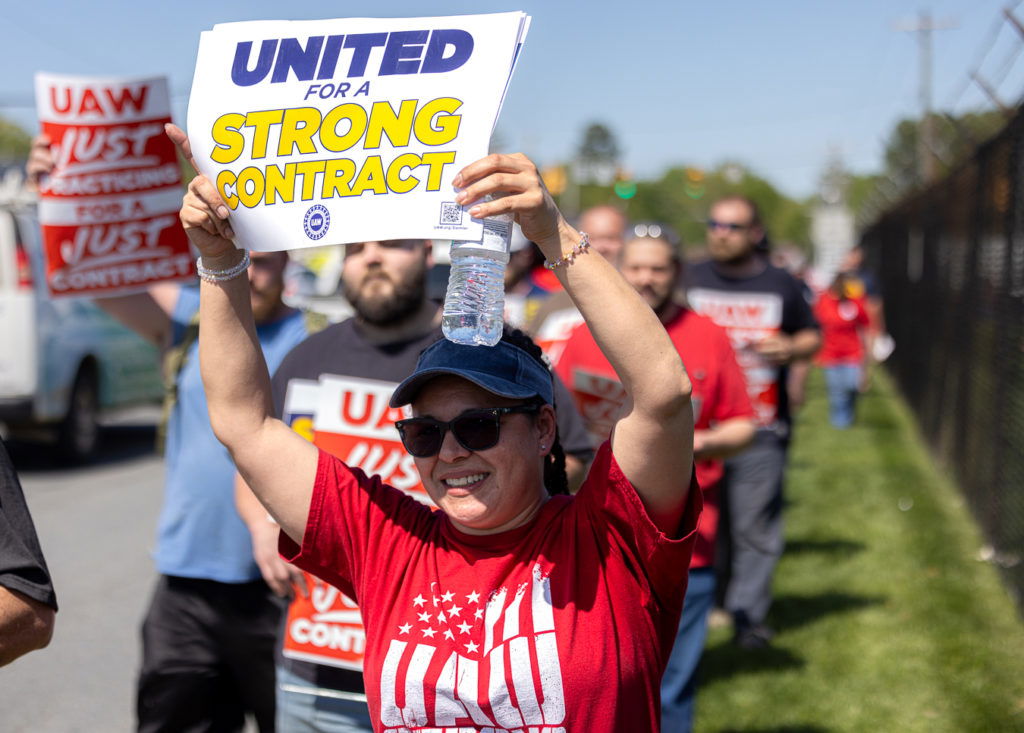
(886, 619)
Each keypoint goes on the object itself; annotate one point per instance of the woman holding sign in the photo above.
(510, 608)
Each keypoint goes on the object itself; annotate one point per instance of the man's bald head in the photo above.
(606, 227)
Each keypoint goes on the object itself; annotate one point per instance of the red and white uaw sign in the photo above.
(109, 210)
(599, 400)
(335, 131)
(350, 418)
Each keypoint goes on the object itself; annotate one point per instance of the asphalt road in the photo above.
(97, 526)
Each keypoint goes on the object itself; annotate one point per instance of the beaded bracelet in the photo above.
(219, 276)
(567, 259)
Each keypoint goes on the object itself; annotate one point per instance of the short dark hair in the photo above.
(755, 212)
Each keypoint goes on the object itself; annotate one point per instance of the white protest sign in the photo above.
(346, 130)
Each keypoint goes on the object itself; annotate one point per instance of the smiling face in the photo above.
(487, 491)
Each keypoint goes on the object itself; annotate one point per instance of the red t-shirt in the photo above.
(719, 393)
(563, 624)
(841, 323)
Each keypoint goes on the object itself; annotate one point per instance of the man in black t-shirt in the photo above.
(27, 601)
(333, 388)
(770, 325)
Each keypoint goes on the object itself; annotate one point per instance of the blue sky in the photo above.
(775, 85)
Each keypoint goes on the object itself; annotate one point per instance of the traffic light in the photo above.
(625, 186)
(555, 179)
(694, 186)
(625, 189)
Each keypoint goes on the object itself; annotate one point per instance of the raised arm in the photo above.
(148, 313)
(653, 441)
(144, 314)
(278, 464)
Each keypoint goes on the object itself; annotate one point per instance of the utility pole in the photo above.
(926, 131)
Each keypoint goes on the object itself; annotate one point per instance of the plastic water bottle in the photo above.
(474, 303)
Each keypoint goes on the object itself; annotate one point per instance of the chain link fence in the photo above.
(950, 261)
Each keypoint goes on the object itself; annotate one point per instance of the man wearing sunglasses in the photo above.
(365, 357)
(770, 324)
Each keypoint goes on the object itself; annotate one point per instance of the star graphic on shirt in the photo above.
(464, 627)
(429, 632)
(419, 600)
(425, 617)
(478, 613)
(404, 628)
(448, 634)
(440, 617)
(436, 600)
(471, 647)
(454, 611)
(473, 597)
(447, 597)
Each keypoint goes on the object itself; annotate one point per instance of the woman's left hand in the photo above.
(515, 179)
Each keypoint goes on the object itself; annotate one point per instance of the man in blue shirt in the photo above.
(208, 636)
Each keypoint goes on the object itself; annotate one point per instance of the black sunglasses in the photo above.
(730, 225)
(475, 430)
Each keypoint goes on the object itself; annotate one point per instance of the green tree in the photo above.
(598, 145)
(14, 141)
(954, 138)
(597, 157)
(681, 196)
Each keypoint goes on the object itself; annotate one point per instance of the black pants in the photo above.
(207, 656)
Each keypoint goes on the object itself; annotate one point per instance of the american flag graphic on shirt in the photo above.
(466, 662)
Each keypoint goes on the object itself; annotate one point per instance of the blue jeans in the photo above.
(301, 710)
(843, 384)
(679, 684)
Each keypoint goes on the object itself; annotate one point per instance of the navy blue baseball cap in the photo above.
(503, 369)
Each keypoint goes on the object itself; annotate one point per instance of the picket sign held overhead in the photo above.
(337, 131)
(109, 209)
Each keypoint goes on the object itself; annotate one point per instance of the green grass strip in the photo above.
(887, 619)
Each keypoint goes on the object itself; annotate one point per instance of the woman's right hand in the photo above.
(204, 215)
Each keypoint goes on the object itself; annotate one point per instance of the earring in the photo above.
(543, 446)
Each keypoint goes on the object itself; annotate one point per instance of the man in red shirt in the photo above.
(724, 424)
(557, 316)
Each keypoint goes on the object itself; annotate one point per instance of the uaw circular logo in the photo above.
(317, 221)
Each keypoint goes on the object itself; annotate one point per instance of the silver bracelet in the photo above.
(567, 259)
(219, 276)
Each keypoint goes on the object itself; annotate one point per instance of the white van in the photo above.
(65, 365)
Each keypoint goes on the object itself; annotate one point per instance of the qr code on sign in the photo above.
(451, 213)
